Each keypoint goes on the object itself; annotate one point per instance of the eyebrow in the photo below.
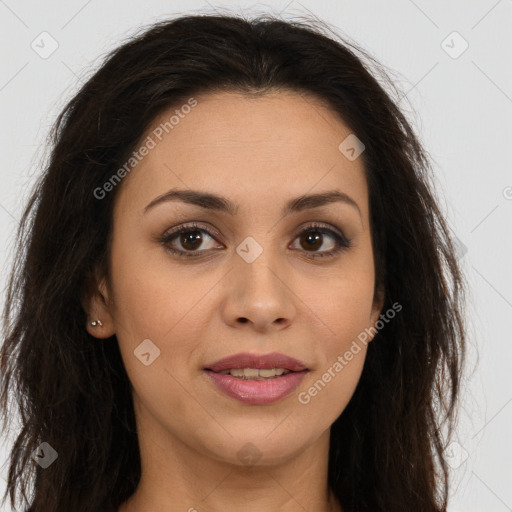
(210, 201)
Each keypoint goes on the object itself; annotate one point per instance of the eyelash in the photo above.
(342, 242)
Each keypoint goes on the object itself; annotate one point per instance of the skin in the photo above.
(258, 152)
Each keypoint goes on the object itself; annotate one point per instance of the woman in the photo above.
(234, 287)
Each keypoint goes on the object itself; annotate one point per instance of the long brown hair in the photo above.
(72, 391)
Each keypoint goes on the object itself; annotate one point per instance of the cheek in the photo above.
(156, 318)
(173, 307)
(342, 306)
(343, 319)
(328, 391)
(151, 295)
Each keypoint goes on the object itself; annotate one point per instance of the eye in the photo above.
(191, 238)
(312, 238)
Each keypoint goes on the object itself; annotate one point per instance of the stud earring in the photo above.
(96, 323)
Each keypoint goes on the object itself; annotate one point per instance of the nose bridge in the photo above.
(261, 294)
(259, 266)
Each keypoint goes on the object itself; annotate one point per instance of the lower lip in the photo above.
(257, 391)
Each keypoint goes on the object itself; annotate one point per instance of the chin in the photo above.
(260, 446)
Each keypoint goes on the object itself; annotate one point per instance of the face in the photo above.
(255, 277)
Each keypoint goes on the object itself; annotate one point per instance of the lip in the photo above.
(257, 392)
(258, 361)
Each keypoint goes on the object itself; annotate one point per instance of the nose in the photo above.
(259, 296)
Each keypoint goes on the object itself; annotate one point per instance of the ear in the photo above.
(378, 304)
(96, 304)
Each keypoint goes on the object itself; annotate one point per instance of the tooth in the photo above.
(250, 372)
(255, 373)
(270, 372)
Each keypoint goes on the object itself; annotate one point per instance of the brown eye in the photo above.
(313, 238)
(191, 240)
(188, 241)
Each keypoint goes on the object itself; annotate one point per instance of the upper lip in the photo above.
(258, 361)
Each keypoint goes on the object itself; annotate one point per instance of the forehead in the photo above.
(250, 148)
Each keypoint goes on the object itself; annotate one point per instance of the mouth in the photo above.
(257, 379)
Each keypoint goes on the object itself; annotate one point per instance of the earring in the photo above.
(96, 323)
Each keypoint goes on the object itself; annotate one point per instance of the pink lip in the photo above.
(257, 391)
(259, 361)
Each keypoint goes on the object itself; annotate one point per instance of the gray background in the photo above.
(460, 104)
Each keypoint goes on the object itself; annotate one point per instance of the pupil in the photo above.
(315, 239)
(188, 238)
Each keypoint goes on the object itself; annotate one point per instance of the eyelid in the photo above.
(321, 225)
(189, 226)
